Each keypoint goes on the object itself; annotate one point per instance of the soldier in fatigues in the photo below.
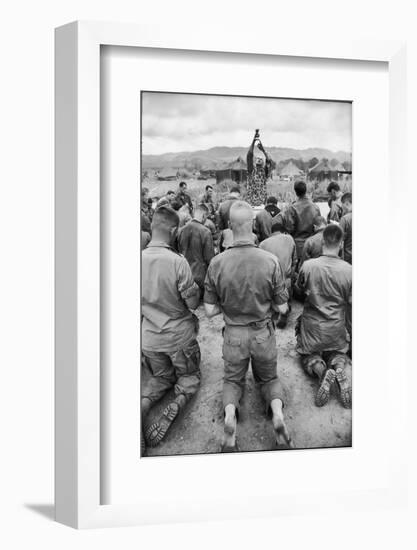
(169, 329)
(299, 217)
(247, 284)
(346, 225)
(321, 331)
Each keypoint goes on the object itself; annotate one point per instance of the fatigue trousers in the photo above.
(255, 343)
(179, 369)
(317, 364)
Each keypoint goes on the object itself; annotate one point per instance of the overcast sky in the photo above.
(188, 122)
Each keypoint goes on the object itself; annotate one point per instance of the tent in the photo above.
(168, 174)
(291, 170)
(324, 170)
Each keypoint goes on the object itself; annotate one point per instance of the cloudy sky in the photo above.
(188, 122)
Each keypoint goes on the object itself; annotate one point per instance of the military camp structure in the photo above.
(236, 171)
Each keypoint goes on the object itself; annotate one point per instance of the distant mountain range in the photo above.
(218, 156)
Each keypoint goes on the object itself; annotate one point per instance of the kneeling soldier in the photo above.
(321, 331)
(169, 329)
(247, 284)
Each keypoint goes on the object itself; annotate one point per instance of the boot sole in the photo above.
(323, 393)
(344, 388)
(157, 431)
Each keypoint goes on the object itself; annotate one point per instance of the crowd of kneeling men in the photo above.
(262, 265)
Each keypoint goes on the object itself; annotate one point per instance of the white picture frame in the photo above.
(77, 258)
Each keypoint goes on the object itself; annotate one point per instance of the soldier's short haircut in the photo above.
(300, 188)
(241, 212)
(202, 207)
(175, 205)
(332, 235)
(170, 192)
(209, 187)
(182, 183)
(235, 189)
(165, 218)
(271, 200)
(319, 221)
(277, 225)
(333, 185)
(347, 197)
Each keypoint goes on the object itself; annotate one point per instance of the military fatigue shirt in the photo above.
(184, 198)
(336, 210)
(167, 323)
(346, 225)
(299, 221)
(327, 284)
(313, 246)
(208, 201)
(282, 246)
(245, 281)
(196, 243)
(263, 224)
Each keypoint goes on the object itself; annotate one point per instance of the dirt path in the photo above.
(199, 429)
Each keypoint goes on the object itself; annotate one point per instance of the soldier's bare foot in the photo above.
(280, 428)
(230, 423)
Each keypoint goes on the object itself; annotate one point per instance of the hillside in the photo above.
(216, 156)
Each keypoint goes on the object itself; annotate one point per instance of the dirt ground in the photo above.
(199, 428)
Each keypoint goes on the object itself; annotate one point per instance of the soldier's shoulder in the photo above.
(220, 261)
(266, 255)
(311, 263)
(345, 266)
(204, 229)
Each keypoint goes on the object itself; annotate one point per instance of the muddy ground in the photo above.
(199, 428)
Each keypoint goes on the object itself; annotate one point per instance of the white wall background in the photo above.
(26, 274)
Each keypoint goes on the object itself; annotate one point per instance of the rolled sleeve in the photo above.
(210, 292)
(186, 285)
(301, 280)
(280, 291)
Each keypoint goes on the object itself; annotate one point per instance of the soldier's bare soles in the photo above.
(282, 436)
(230, 424)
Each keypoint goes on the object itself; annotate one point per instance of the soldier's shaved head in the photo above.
(201, 213)
(241, 219)
(332, 237)
(165, 218)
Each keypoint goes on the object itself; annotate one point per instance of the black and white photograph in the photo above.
(246, 273)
